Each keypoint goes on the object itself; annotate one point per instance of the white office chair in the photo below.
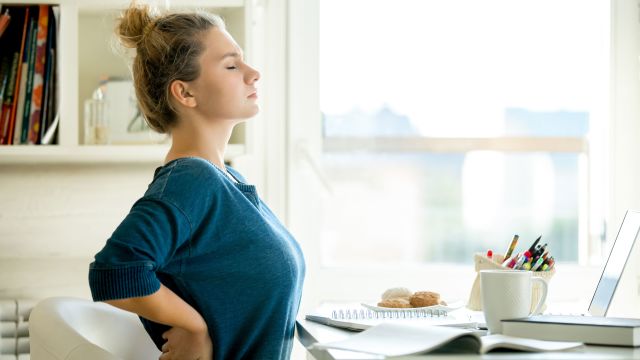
(62, 328)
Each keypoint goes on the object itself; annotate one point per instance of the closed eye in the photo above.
(231, 67)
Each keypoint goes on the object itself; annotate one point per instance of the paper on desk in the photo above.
(390, 339)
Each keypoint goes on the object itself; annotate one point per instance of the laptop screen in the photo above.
(615, 264)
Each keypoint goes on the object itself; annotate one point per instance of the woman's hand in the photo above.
(183, 344)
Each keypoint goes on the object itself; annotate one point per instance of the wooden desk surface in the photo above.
(309, 333)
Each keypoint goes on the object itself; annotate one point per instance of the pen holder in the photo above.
(483, 263)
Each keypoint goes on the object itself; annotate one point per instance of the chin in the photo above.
(253, 112)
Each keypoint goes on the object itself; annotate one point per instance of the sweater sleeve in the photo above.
(142, 244)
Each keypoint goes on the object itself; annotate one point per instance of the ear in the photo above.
(182, 93)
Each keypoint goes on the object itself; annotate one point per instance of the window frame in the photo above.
(304, 144)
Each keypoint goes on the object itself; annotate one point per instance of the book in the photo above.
(5, 69)
(24, 75)
(588, 329)
(16, 92)
(47, 103)
(40, 57)
(10, 45)
(52, 116)
(30, 52)
(357, 318)
(5, 104)
(5, 18)
(401, 340)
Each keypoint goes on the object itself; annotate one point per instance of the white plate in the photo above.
(449, 307)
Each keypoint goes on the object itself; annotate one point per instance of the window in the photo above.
(449, 126)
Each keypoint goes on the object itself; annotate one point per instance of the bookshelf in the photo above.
(85, 54)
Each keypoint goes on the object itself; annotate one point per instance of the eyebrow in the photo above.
(231, 54)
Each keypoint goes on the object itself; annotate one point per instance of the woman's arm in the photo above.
(164, 307)
(188, 337)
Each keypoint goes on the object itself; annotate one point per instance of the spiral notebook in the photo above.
(359, 318)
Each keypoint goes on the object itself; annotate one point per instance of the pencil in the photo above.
(512, 246)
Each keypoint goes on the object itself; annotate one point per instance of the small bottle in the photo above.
(96, 122)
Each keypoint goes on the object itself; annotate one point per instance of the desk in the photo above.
(309, 332)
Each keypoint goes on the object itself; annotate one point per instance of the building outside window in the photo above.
(449, 126)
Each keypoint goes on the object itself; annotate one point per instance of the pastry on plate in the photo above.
(395, 303)
(397, 293)
(424, 298)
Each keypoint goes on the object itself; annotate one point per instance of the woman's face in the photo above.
(225, 88)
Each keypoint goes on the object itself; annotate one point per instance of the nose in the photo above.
(252, 75)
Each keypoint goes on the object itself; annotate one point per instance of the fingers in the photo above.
(165, 335)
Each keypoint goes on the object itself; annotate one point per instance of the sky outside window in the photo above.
(456, 69)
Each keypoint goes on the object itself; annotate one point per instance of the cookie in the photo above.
(424, 298)
(397, 293)
(395, 303)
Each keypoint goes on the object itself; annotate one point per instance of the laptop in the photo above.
(593, 327)
(615, 265)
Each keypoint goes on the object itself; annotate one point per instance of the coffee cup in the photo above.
(506, 294)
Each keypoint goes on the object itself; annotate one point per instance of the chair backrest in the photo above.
(63, 328)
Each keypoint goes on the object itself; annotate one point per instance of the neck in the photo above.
(207, 140)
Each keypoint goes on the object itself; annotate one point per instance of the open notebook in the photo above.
(390, 339)
(358, 318)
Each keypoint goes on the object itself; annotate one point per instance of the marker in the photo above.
(527, 266)
(540, 249)
(490, 254)
(533, 247)
(512, 246)
(525, 259)
(551, 262)
(520, 261)
(545, 267)
(509, 261)
(537, 264)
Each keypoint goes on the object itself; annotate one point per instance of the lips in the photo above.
(253, 95)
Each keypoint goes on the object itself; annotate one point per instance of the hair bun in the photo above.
(133, 24)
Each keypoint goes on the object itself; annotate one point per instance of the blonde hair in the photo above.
(167, 48)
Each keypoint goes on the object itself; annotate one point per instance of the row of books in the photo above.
(28, 74)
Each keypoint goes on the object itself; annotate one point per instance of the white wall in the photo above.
(54, 218)
(625, 126)
(624, 138)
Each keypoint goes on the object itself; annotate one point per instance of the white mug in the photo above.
(506, 294)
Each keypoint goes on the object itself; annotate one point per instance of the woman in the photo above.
(200, 258)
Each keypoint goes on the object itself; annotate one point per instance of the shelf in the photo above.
(85, 55)
(93, 6)
(87, 154)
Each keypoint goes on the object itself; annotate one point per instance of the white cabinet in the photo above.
(86, 53)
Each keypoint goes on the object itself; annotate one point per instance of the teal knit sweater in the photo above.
(218, 246)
